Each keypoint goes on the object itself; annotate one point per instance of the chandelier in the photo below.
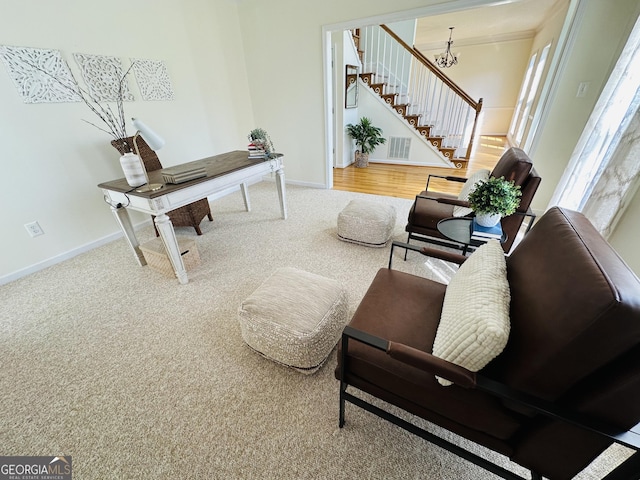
(447, 59)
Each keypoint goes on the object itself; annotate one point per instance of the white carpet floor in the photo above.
(138, 377)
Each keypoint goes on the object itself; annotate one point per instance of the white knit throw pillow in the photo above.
(474, 325)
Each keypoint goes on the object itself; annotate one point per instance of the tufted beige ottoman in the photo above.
(366, 223)
(295, 318)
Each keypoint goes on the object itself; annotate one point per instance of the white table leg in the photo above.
(122, 217)
(245, 196)
(168, 235)
(282, 191)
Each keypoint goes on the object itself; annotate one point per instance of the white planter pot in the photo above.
(132, 168)
(488, 219)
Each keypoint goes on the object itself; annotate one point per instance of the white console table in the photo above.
(223, 171)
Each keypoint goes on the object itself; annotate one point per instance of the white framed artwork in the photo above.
(40, 75)
(102, 75)
(153, 79)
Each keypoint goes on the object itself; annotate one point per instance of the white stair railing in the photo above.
(450, 112)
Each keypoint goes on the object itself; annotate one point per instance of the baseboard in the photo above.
(297, 183)
(408, 163)
(49, 262)
(119, 234)
(343, 165)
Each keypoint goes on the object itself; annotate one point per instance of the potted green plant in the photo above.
(367, 138)
(260, 139)
(493, 199)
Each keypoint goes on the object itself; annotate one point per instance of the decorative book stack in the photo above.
(484, 234)
(256, 151)
(182, 173)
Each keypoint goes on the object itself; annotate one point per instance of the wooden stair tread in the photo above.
(388, 98)
(413, 120)
(377, 87)
(366, 77)
(459, 163)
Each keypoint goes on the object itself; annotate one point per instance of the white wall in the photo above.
(345, 54)
(493, 72)
(624, 238)
(549, 34)
(216, 53)
(393, 124)
(406, 30)
(52, 161)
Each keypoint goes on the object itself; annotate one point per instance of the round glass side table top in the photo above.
(459, 230)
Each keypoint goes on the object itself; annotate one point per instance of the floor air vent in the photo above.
(399, 147)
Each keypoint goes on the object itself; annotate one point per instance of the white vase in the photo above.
(488, 219)
(132, 168)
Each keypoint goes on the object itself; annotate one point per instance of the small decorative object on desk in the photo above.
(181, 174)
(260, 144)
(493, 199)
(484, 234)
(132, 169)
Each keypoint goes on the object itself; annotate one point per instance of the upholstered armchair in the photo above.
(188, 216)
(430, 207)
(535, 355)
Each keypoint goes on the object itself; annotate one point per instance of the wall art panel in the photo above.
(153, 79)
(103, 76)
(40, 75)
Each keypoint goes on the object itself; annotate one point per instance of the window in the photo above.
(602, 173)
(524, 118)
(523, 92)
(522, 115)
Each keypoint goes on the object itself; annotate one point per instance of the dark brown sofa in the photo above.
(567, 384)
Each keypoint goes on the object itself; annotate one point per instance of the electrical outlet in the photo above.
(34, 229)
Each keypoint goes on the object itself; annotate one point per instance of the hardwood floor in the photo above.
(406, 181)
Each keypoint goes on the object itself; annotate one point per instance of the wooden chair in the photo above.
(188, 216)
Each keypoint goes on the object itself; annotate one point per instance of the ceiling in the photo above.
(483, 24)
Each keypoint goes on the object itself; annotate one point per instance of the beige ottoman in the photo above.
(366, 223)
(295, 318)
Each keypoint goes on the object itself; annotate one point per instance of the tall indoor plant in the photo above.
(367, 138)
(493, 199)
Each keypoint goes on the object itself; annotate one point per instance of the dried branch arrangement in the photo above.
(113, 121)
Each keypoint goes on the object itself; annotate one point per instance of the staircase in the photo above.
(431, 103)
